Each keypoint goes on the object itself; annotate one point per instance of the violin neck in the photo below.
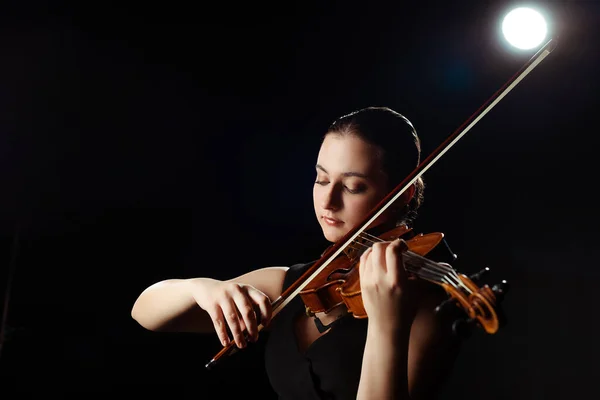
(427, 269)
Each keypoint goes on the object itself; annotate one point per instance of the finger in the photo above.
(395, 261)
(246, 311)
(378, 258)
(264, 305)
(363, 267)
(219, 323)
(233, 321)
(242, 324)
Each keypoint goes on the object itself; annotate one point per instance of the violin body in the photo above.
(339, 282)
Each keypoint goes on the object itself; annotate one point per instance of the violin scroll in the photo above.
(480, 304)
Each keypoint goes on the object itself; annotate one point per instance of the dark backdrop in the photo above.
(142, 142)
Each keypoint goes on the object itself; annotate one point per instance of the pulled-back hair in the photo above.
(397, 144)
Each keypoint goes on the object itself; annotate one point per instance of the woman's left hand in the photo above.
(387, 292)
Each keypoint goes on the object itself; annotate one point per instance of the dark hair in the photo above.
(398, 145)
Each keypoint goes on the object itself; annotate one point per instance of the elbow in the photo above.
(146, 324)
(138, 316)
(135, 315)
(135, 311)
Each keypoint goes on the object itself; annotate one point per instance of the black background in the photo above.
(143, 142)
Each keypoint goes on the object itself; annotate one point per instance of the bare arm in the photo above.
(173, 305)
(408, 350)
(408, 362)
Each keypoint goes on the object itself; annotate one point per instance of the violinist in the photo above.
(403, 350)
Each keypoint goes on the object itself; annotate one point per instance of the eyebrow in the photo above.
(345, 174)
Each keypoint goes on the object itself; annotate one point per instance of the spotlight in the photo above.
(524, 28)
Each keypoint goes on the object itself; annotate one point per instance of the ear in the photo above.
(401, 203)
(408, 194)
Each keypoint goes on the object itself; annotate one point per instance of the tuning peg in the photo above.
(478, 275)
(463, 327)
(445, 304)
(500, 289)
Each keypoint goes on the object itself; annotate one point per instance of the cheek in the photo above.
(360, 207)
(316, 198)
(320, 194)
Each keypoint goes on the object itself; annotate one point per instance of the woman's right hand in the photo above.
(236, 306)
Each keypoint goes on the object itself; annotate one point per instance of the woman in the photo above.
(401, 351)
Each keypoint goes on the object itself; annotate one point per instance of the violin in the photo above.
(334, 281)
(339, 283)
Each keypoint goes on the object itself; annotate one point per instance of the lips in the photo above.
(331, 221)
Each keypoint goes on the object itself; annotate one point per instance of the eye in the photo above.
(356, 190)
(322, 183)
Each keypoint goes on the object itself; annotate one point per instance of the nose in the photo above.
(331, 199)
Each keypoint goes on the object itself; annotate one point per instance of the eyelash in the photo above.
(323, 183)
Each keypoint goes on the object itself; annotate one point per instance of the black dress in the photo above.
(329, 369)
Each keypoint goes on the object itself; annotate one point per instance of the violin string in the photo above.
(432, 264)
(376, 239)
(439, 272)
(450, 278)
(427, 269)
(434, 273)
(456, 281)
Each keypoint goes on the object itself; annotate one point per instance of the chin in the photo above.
(331, 234)
(332, 239)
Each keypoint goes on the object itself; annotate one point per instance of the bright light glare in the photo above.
(524, 28)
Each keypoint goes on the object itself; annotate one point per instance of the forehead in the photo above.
(348, 153)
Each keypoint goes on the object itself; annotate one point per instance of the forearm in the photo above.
(384, 373)
(169, 306)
